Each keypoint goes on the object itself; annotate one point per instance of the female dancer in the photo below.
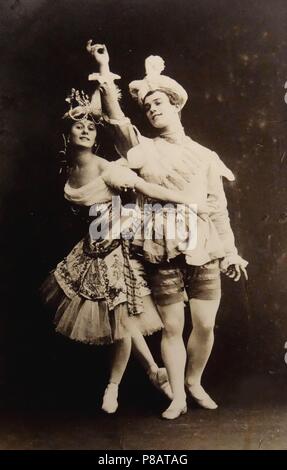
(99, 293)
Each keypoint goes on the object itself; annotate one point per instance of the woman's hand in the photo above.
(105, 80)
(100, 53)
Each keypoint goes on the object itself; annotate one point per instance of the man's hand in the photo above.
(234, 272)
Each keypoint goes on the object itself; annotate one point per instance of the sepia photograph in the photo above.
(143, 227)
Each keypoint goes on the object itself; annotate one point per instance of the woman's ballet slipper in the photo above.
(174, 411)
(202, 398)
(110, 399)
(159, 379)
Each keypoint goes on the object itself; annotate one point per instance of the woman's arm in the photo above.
(106, 80)
(121, 177)
(125, 136)
(155, 191)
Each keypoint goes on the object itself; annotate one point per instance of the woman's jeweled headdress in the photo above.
(80, 107)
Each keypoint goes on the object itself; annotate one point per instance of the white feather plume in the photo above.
(154, 65)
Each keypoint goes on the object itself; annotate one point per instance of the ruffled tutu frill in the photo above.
(91, 321)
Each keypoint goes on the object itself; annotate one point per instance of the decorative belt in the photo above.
(99, 248)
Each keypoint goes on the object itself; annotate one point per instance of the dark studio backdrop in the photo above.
(231, 59)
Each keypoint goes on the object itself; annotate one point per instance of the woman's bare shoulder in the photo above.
(102, 163)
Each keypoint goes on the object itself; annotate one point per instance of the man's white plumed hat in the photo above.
(153, 81)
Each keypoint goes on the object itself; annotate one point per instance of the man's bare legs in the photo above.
(174, 356)
(199, 347)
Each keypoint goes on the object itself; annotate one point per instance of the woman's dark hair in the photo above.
(67, 123)
(64, 152)
(104, 145)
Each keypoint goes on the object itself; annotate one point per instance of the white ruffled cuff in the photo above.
(106, 78)
(232, 259)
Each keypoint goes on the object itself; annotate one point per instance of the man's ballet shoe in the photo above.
(159, 379)
(174, 411)
(110, 399)
(202, 398)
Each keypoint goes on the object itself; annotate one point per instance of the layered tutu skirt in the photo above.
(99, 299)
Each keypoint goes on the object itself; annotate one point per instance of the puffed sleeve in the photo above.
(125, 137)
(218, 212)
(119, 176)
(136, 157)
